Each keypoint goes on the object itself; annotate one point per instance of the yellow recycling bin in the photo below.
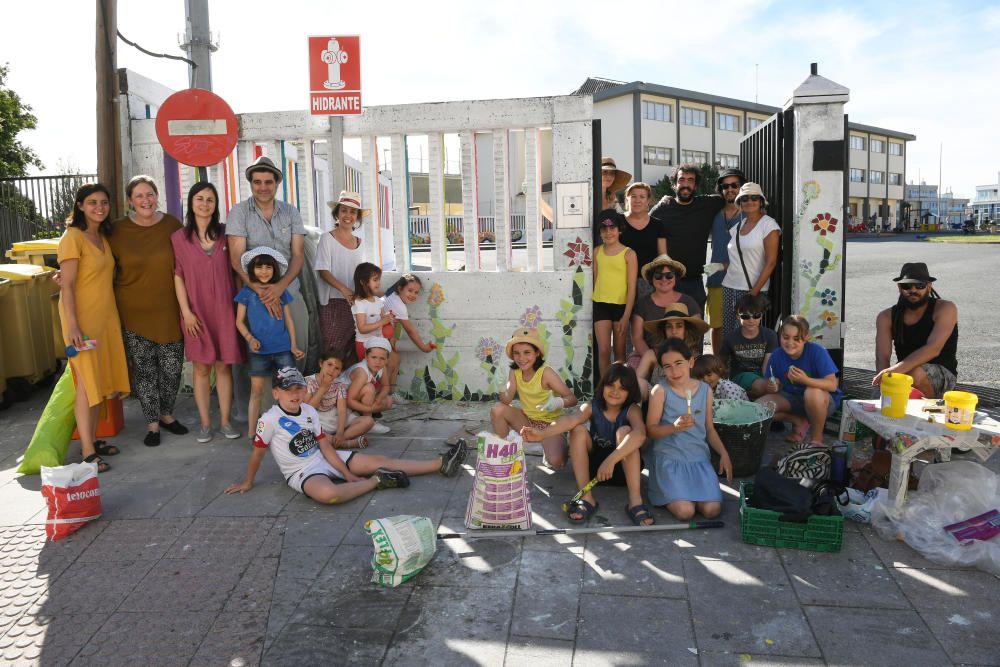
(26, 322)
(58, 346)
(38, 252)
(4, 290)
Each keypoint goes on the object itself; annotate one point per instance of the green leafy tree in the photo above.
(709, 175)
(15, 116)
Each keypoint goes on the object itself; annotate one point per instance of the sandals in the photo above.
(104, 449)
(583, 508)
(799, 433)
(101, 465)
(640, 513)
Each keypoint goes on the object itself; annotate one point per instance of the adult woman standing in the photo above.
(753, 253)
(613, 179)
(662, 273)
(87, 308)
(642, 233)
(147, 303)
(205, 287)
(337, 256)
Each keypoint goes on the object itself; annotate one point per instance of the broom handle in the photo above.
(579, 494)
(541, 532)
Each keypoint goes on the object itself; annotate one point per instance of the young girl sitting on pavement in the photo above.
(542, 393)
(711, 370)
(802, 382)
(328, 394)
(402, 293)
(271, 341)
(605, 435)
(304, 452)
(679, 424)
(366, 395)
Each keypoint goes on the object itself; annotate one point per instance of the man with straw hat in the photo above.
(923, 329)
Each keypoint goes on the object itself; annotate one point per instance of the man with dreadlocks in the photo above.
(923, 328)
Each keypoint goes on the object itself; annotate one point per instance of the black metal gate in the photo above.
(36, 206)
(766, 159)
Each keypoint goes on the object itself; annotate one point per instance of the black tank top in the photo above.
(916, 335)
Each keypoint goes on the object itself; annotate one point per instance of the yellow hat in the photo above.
(525, 335)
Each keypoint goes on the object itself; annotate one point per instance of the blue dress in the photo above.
(679, 464)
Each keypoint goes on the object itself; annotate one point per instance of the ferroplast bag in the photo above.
(499, 497)
(404, 545)
(73, 494)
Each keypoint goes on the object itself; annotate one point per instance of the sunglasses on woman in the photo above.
(750, 198)
(751, 316)
(663, 275)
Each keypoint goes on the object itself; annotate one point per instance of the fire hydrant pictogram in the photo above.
(334, 57)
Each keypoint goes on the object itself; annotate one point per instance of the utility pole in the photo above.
(109, 138)
(198, 46)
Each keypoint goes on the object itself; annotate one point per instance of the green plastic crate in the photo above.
(757, 526)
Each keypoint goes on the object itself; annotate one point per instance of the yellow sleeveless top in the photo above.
(612, 277)
(532, 393)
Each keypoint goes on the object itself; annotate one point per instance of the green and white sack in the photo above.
(403, 546)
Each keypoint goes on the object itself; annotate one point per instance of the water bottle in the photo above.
(88, 344)
(838, 471)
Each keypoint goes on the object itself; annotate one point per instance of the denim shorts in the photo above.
(798, 403)
(265, 364)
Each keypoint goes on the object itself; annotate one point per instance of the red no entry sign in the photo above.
(196, 127)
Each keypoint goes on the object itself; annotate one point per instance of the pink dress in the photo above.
(211, 286)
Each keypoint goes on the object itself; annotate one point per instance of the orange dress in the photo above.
(102, 370)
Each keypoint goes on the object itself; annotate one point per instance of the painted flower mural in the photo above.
(436, 297)
(828, 297)
(531, 318)
(828, 318)
(488, 350)
(578, 252)
(823, 223)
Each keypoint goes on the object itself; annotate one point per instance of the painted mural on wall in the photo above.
(439, 379)
(818, 269)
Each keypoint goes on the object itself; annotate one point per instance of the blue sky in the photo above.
(920, 67)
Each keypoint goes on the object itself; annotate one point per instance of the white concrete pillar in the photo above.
(369, 198)
(335, 156)
(400, 205)
(501, 198)
(569, 141)
(309, 205)
(818, 206)
(470, 200)
(532, 196)
(435, 185)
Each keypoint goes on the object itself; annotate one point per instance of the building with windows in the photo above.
(925, 207)
(649, 129)
(986, 204)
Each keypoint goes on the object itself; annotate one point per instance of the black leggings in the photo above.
(155, 370)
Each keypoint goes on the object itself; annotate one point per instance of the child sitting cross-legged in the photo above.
(605, 435)
(747, 349)
(366, 393)
(679, 425)
(305, 454)
(328, 394)
(711, 370)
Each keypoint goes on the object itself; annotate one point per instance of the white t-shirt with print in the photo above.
(372, 310)
(292, 439)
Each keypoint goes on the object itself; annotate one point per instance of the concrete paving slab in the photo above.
(538, 652)
(144, 539)
(137, 499)
(713, 659)
(21, 500)
(303, 562)
(967, 637)
(49, 640)
(480, 562)
(285, 597)
(633, 564)
(963, 591)
(185, 585)
(421, 499)
(85, 587)
(299, 645)
(853, 577)
(890, 636)
(650, 631)
(316, 529)
(548, 593)
(223, 539)
(271, 546)
(166, 639)
(266, 498)
(760, 613)
(894, 553)
(236, 638)
(256, 587)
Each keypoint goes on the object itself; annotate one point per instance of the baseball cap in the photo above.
(287, 377)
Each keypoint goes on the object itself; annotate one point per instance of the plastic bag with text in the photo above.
(73, 495)
(499, 498)
(403, 547)
(948, 493)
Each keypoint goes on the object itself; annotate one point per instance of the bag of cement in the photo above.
(403, 546)
(499, 497)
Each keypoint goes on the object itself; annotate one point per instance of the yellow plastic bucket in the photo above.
(961, 408)
(895, 394)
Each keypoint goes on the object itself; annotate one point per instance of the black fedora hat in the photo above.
(914, 272)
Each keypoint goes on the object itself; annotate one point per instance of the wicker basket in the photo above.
(745, 444)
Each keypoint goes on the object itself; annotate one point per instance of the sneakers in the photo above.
(204, 434)
(453, 457)
(228, 431)
(391, 479)
(380, 428)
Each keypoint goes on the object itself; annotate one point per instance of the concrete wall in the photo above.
(616, 132)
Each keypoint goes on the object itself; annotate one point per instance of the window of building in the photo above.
(657, 111)
(876, 176)
(694, 157)
(895, 148)
(895, 179)
(728, 122)
(857, 175)
(698, 117)
(857, 143)
(753, 124)
(878, 146)
(657, 155)
(728, 161)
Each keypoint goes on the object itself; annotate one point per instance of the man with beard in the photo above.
(727, 185)
(923, 329)
(687, 221)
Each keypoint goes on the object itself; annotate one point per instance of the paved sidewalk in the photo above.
(177, 573)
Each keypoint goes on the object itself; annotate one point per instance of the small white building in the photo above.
(986, 204)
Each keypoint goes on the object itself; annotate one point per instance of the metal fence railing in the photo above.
(36, 206)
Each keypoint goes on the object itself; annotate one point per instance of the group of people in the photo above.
(152, 290)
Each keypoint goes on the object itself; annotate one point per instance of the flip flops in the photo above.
(583, 508)
(640, 513)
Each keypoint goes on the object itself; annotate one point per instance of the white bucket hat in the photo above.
(248, 256)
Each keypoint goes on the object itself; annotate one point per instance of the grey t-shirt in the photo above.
(246, 220)
(747, 354)
(648, 311)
